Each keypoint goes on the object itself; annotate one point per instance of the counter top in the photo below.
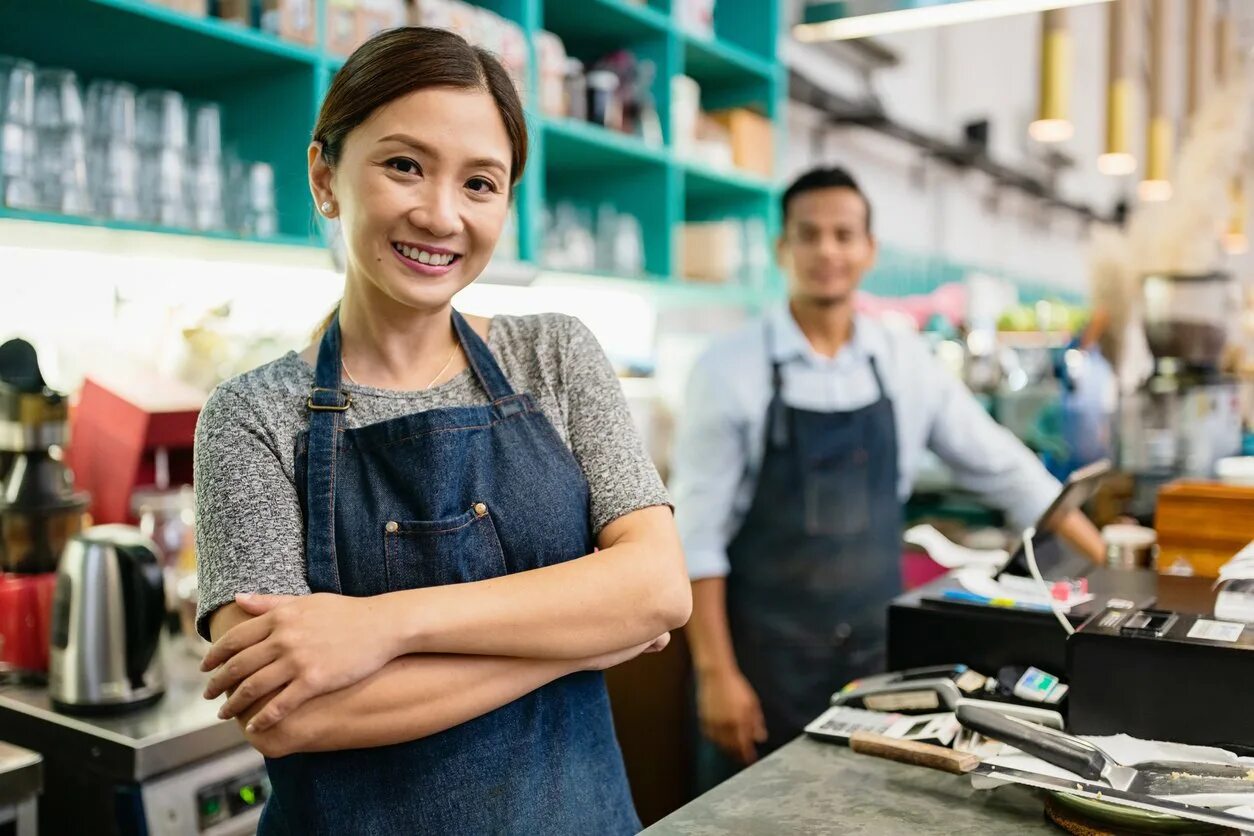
(178, 730)
(811, 787)
(21, 774)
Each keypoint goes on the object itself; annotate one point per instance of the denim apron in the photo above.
(450, 495)
(815, 563)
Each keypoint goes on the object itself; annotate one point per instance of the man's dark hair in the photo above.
(834, 177)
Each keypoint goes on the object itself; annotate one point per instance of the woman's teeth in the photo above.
(424, 257)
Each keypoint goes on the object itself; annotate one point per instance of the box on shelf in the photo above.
(482, 27)
(710, 251)
(197, 8)
(291, 20)
(1201, 525)
(752, 140)
(234, 11)
(713, 145)
(343, 26)
(551, 61)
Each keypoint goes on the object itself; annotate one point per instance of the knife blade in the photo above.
(1093, 764)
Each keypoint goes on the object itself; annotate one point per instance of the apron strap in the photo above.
(327, 404)
(875, 371)
(482, 363)
(776, 412)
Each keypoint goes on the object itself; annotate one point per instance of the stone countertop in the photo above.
(809, 787)
(21, 774)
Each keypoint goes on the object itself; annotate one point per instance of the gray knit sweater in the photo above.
(249, 526)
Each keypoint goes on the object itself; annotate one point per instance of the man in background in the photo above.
(798, 444)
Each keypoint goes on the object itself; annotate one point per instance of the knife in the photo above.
(947, 760)
(1170, 778)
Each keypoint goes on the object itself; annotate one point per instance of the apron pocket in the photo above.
(460, 549)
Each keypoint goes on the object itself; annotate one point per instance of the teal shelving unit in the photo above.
(270, 89)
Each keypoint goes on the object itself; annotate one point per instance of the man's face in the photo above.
(826, 247)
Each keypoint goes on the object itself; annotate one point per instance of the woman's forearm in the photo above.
(634, 589)
(410, 698)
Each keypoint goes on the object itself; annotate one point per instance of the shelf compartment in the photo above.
(717, 63)
(144, 43)
(267, 87)
(601, 26)
(52, 221)
(707, 184)
(571, 145)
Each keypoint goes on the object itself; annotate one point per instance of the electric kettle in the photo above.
(107, 613)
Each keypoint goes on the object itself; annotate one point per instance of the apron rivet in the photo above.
(392, 527)
(480, 509)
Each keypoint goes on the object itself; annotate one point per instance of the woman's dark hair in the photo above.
(400, 61)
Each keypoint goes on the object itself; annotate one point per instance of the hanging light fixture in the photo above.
(1223, 44)
(1236, 241)
(1198, 77)
(1052, 123)
(1161, 135)
(1117, 160)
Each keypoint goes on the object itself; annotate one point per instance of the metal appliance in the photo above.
(107, 617)
(39, 508)
(171, 769)
(1188, 415)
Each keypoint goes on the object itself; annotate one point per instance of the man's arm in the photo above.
(708, 467)
(990, 461)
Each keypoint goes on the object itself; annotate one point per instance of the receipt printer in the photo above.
(1163, 675)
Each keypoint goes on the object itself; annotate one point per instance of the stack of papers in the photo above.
(1236, 587)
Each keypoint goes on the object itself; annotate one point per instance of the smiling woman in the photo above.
(396, 563)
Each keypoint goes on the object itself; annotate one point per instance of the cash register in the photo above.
(931, 625)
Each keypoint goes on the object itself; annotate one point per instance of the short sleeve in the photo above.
(249, 527)
(621, 476)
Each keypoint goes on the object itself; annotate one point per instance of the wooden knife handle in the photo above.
(913, 752)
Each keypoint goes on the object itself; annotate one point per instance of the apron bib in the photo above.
(444, 496)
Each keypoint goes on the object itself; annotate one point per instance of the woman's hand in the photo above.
(295, 647)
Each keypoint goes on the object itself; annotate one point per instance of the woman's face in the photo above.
(422, 190)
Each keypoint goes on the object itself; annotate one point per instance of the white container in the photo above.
(685, 112)
(1236, 470)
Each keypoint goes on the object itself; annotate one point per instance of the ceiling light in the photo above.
(828, 21)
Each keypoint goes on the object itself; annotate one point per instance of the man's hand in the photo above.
(730, 714)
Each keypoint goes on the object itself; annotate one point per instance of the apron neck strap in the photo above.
(482, 363)
(326, 393)
(327, 404)
(875, 372)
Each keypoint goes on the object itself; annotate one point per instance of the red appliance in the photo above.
(39, 508)
(25, 620)
(130, 434)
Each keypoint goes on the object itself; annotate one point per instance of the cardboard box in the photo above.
(344, 27)
(291, 20)
(234, 11)
(752, 140)
(710, 251)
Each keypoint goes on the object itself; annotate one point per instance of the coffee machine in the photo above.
(39, 508)
(1188, 415)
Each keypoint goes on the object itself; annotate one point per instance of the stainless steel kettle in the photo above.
(107, 613)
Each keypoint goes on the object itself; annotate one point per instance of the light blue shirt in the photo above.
(720, 437)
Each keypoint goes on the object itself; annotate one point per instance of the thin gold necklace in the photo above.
(438, 374)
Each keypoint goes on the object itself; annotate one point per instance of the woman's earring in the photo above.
(326, 207)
